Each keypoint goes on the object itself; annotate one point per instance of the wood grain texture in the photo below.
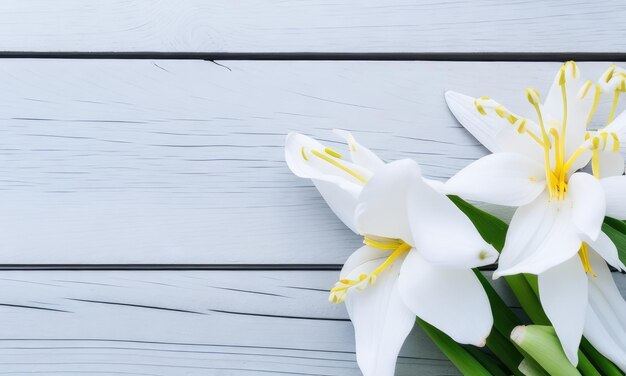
(182, 161)
(184, 323)
(188, 323)
(313, 26)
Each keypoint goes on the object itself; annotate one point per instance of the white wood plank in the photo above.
(187, 323)
(105, 161)
(312, 26)
(184, 323)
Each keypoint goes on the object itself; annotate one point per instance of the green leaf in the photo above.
(491, 228)
(464, 362)
(617, 237)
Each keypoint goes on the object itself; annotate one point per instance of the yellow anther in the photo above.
(479, 106)
(339, 165)
(533, 96)
(339, 291)
(502, 111)
(522, 126)
(604, 136)
(333, 153)
(304, 154)
(616, 143)
(574, 67)
(608, 74)
(583, 253)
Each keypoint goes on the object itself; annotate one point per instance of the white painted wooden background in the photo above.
(169, 164)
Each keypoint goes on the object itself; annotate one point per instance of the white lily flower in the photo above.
(556, 230)
(418, 253)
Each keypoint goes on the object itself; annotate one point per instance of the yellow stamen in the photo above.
(333, 153)
(616, 143)
(595, 158)
(304, 154)
(594, 106)
(339, 165)
(382, 243)
(339, 291)
(614, 105)
(533, 97)
(584, 258)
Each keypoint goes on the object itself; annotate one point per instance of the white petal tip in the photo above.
(518, 333)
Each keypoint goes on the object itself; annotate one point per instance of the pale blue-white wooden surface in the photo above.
(135, 165)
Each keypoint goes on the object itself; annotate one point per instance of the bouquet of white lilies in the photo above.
(423, 242)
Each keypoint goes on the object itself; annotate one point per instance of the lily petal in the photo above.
(605, 247)
(614, 189)
(381, 320)
(442, 233)
(495, 132)
(588, 203)
(452, 300)
(611, 164)
(382, 208)
(339, 189)
(541, 236)
(502, 179)
(360, 155)
(605, 324)
(563, 295)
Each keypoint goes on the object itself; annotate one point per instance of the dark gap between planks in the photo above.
(330, 56)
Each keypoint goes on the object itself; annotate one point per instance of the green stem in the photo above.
(585, 367)
(491, 364)
(527, 299)
(504, 350)
(462, 359)
(601, 362)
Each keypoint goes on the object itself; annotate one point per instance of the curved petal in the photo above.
(605, 324)
(579, 98)
(588, 203)
(339, 189)
(380, 318)
(495, 132)
(482, 127)
(442, 233)
(382, 205)
(541, 236)
(563, 295)
(614, 191)
(502, 179)
(611, 164)
(303, 163)
(453, 300)
(605, 247)
(360, 155)
(341, 200)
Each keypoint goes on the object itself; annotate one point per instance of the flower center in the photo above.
(396, 246)
(552, 139)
